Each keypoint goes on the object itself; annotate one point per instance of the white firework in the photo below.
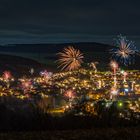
(125, 51)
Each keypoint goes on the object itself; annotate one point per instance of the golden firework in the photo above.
(70, 58)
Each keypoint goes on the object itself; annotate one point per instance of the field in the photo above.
(96, 134)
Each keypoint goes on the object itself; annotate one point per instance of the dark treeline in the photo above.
(25, 115)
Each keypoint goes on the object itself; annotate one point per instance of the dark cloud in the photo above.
(47, 17)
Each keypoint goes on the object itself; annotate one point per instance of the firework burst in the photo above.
(114, 65)
(26, 85)
(46, 74)
(125, 51)
(70, 94)
(70, 59)
(93, 65)
(7, 75)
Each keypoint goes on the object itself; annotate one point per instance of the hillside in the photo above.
(54, 48)
(46, 53)
(18, 65)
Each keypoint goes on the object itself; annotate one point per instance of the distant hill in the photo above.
(46, 53)
(54, 48)
(18, 65)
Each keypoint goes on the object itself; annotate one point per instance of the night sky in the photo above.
(33, 21)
